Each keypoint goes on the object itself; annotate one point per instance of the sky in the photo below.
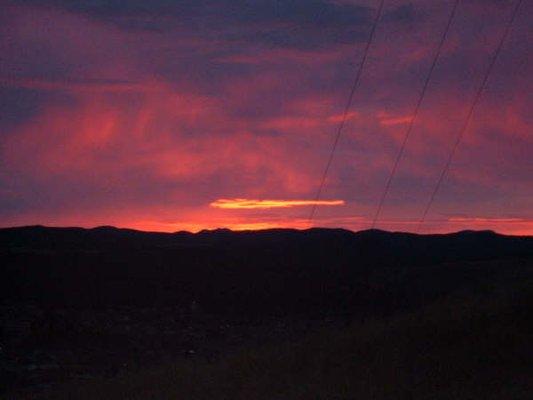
(199, 114)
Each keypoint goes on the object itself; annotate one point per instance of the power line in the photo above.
(347, 108)
(414, 115)
(470, 114)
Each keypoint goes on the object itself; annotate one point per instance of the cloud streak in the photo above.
(263, 204)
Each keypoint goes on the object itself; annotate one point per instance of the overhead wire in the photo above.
(414, 115)
(342, 122)
(469, 115)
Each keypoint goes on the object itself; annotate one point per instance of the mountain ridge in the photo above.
(111, 228)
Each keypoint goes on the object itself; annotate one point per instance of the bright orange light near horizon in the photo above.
(253, 204)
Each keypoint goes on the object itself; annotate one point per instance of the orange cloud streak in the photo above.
(251, 204)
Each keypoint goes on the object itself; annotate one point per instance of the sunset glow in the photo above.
(251, 204)
(121, 115)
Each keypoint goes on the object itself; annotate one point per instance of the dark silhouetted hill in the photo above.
(278, 271)
(319, 313)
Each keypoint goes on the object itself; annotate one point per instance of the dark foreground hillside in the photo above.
(273, 272)
(461, 347)
(329, 314)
